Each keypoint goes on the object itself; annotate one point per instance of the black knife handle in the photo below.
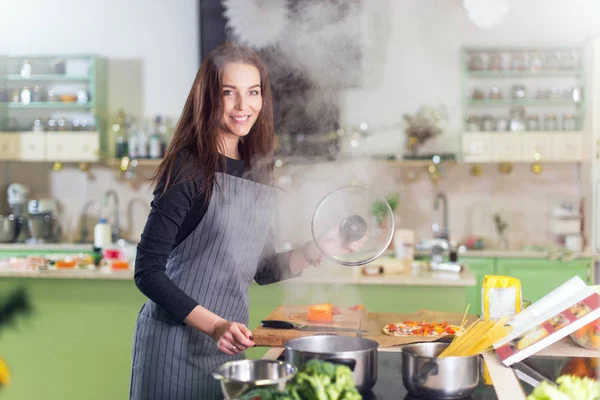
(270, 323)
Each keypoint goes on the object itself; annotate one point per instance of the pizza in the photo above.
(413, 328)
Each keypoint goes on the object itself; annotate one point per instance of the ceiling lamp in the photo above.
(257, 23)
(486, 14)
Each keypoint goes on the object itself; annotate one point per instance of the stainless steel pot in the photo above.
(360, 355)
(426, 375)
(239, 377)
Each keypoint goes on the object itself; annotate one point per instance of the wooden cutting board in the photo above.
(374, 323)
(276, 337)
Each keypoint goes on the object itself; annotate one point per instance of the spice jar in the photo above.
(550, 122)
(533, 123)
(569, 123)
(36, 95)
(25, 95)
(495, 93)
(517, 119)
(502, 124)
(26, 69)
(487, 123)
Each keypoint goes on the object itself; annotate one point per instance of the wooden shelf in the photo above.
(50, 104)
(141, 162)
(47, 77)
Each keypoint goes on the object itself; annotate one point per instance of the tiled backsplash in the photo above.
(522, 198)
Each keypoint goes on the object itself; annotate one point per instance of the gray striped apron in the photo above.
(214, 265)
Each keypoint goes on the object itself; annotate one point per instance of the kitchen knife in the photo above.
(275, 324)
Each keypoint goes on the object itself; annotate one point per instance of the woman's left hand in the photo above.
(334, 245)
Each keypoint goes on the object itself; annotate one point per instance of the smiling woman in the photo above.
(207, 235)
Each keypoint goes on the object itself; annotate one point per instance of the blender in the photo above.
(17, 201)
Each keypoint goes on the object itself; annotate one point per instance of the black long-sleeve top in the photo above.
(173, 217)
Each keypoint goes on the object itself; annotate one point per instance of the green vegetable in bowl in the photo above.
(318, 380)
(569, 387)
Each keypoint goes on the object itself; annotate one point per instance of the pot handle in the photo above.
(348, 362)
(429, 368)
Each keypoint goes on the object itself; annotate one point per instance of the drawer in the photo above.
(567, 146)
(476, 147)
(537, 144)
(72, 146)
(9, 143)
(506, 147)
(31, 146)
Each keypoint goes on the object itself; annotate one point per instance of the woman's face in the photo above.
(242, 98)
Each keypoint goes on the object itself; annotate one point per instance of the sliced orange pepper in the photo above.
(320, 313)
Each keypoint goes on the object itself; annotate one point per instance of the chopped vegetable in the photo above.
(569, 388)
(318, 380)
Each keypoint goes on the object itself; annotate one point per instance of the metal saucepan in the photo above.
(360, 355)
(426, 375)
(239, 377)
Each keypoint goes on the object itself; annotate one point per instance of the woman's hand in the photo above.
(333, 244)
(232, 338)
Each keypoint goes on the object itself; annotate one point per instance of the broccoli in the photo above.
(318, 380)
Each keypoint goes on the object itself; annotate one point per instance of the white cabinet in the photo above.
(72, 146)
(476, 147)
(537, 147)
(8, 146)
(31, 146)
(50, 146)
(525, 147)
(567, 147)
(506, 147)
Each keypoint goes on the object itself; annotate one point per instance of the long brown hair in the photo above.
(197, 131)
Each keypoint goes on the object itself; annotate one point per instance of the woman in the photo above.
(206, 238)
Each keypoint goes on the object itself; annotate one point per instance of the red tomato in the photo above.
(392, 328)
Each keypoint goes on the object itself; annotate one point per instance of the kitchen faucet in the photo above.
(116, 229)
(444, 234)
(84, 231)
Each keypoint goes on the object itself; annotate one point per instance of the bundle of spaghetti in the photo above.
(478, 338)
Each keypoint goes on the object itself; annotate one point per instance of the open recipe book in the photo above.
(569, 307)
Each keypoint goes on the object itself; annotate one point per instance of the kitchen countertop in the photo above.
(84, 247)
(334, 274)
(68, 274)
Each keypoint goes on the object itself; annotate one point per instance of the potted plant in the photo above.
(380, 212)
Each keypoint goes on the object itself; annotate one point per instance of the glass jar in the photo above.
(3, 95)
(569, 122)
(518, 92)
(502, 124)
(25, 96)
(26, 69)
(496, 62)
(15, 96)
(533, 123)
(487, 123)
(473, 124)
(517, 119)
(82, 95)
(476, 62)
(495, 93)
(518, 62)
(36, 95)
(550, 122)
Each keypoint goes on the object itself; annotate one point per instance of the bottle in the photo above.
(155, 142)
(142, 138)
(102, 234)
(132, 142)
(122, 145)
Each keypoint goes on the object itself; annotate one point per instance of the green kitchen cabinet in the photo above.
(480, 267)
(539, 276)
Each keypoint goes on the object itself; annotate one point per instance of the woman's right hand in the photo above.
(232, 338)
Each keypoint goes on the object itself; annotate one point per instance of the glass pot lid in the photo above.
(353, 225)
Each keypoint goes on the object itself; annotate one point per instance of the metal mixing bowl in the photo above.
(239, 377)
